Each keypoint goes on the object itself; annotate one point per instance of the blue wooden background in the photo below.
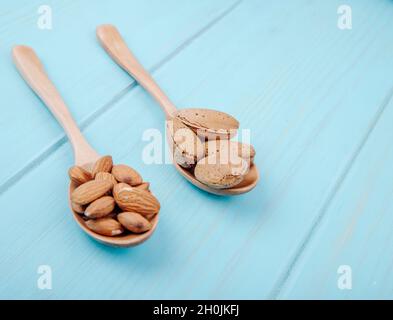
(318, 101)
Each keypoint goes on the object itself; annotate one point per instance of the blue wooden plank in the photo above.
(79, 66)
(308, 101)
(357, 229)
(309, 90)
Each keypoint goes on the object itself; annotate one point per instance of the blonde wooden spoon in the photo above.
(34, 74)
(114, 44)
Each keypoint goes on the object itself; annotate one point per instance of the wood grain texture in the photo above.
(309, 92)
(357, 230)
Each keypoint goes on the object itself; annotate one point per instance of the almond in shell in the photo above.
(211, 172)
(105, 226)
(100, 208)
(90, 191)
(187, 148)
(134, 222)
(227, 149)
(207, 123)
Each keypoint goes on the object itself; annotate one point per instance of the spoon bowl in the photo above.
(127, 240)
(31, 69)
(210, 124)
(121, 241)
(249, 182)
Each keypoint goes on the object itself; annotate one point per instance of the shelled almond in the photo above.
(90, 191)
(136, 200)
(100, 208)
(107, 177)
(103, 164)
(123, 173)
(134, 222)
(105, 226)
(79, 175)
(113, 199)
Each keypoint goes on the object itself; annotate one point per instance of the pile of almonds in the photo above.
(113, 199)
(211, 157)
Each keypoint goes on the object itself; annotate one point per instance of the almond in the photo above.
(247, 152)
(134, 222)
(78, 175)
(217, 175)
(105, 226)
(210, 124)
(103, 164)
(186, 147)
(106, 176)
(90, 191)
(78, 208)
(136, 200)
(100, 208)
(144, 186)
(121, 186)
(126, 174)
(150, 216)
(227, 148)
(112, 215)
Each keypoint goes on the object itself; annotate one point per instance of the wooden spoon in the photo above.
(113, 43)
(34, 74)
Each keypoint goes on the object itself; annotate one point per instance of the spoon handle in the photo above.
(31, 69)
(114, 44)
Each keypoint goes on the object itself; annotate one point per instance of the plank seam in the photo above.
(282, 282)
(36, 161)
